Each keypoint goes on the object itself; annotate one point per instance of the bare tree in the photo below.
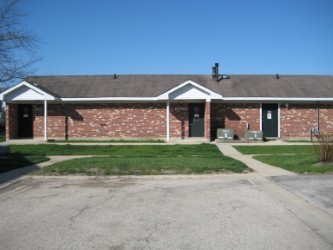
(17, 45)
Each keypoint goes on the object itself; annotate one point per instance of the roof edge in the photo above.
(307, 99)
(46, 95)
(166, 95)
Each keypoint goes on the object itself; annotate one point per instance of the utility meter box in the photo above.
(225, 134)
(315, 131)
(254, 135)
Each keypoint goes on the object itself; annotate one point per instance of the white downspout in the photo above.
(279, 120)
(168, 120)
(45, 120)
(318, 116)
(260, 116)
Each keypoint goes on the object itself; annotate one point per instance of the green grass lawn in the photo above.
(281, 149)
(145, 166)
(2, 138)
(105, 141)
(135, 159)
(300, 160)
(204, 150)
(295, 163)
(12, 161)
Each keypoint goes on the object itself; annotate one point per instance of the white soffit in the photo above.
(189, 90)
(25, 92)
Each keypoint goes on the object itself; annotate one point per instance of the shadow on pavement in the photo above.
(16, 173)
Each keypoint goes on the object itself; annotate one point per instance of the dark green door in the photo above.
(25, 121)
(197, 119)
(270, 120)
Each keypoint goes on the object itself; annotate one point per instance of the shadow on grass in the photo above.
(13, 166)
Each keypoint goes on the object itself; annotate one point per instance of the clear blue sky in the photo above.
(182, 36)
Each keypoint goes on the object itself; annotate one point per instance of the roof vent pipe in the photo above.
(215, 72)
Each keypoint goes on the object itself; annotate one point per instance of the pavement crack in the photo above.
(90, 206)
(47, 196)
(80, 212)
(146, 241)
(9, 191)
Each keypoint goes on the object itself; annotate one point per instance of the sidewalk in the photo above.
(261, 168)
(14, 175)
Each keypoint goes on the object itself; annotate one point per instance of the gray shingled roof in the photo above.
(298, 86)
(2, 89)
(154, 85)
(123, 86)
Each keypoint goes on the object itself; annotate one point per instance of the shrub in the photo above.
(323, 147)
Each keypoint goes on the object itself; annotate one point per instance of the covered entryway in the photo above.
(25, 121)
(197, 119)
(270, 120)
(20, 101)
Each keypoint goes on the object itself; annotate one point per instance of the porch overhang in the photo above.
(189, 90)
(25, 91)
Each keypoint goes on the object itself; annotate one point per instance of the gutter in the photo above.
(281, 99)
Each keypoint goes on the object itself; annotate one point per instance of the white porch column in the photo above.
(45, 120)
(168, 120)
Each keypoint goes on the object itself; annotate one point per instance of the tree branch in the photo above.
(15, 44)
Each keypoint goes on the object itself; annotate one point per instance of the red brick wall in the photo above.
(102, 121)
(235, 116)
(11, 121)
(56, 120)
(149, 120)
(115, 121)
(298, 119)
(179, 120)
(326, 119)
(112, 120)
(295, 121)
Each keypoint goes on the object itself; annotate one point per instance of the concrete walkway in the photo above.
(261, 168)
(12, 176)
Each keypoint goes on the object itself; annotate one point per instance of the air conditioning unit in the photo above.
(225, 134)
(254, 135)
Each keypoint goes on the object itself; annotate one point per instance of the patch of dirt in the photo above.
(98, 182)
(324, 164)
(106, 184)
(168, 171)
(95, 171)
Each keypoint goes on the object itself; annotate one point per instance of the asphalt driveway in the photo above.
(208, 212)
(317, 189)
(270, 208)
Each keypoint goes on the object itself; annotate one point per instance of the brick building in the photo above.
(168, 106)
